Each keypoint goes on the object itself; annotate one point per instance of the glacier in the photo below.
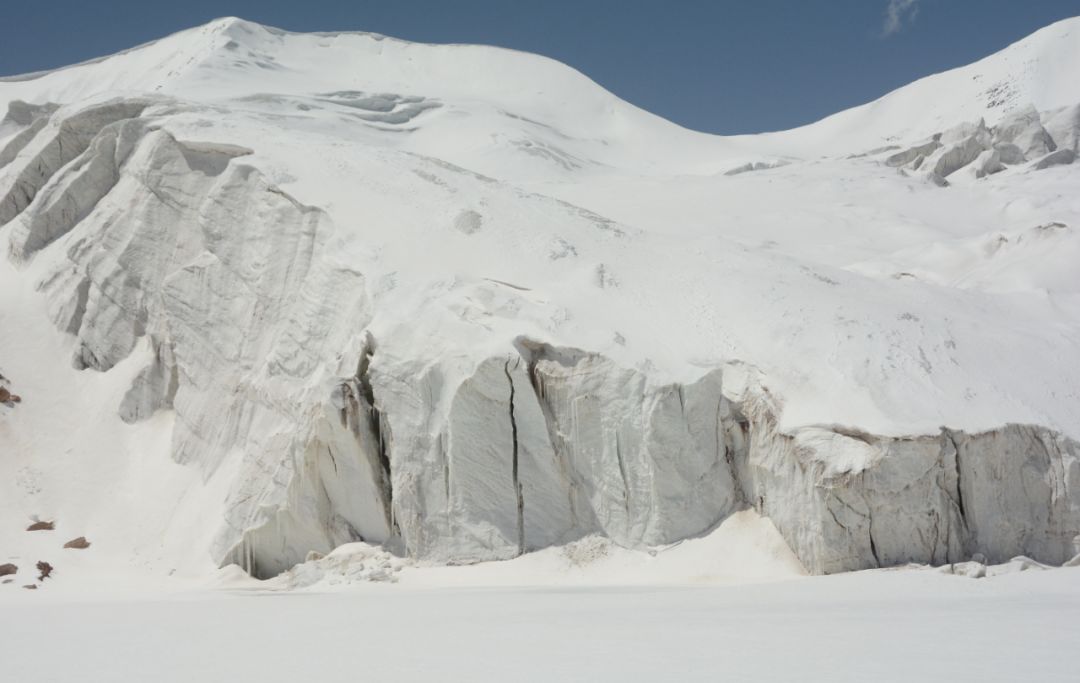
(462, 303)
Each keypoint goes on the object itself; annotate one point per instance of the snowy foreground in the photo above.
(879, 625)
(733, 604)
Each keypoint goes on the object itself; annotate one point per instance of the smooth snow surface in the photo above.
(273, 293)
(884, 626)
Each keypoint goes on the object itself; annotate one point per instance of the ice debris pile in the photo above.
(979, 151)
(346, 564)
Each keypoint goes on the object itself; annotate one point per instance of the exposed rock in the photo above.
(45, 570)
(79, 543)
(8, 569)
(5, 392)
(31, 586)
(41, 526)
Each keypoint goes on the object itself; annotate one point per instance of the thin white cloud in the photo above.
(898, 14)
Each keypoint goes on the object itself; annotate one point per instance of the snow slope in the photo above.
(1037, 71)
(463, 302)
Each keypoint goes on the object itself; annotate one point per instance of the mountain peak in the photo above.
(1041, 70)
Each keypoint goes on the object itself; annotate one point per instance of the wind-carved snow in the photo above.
(467, 305)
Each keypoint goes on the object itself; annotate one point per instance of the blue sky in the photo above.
(723, 66)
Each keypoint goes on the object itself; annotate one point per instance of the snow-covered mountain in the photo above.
(269, 293)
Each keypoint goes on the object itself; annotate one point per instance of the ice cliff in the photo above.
(435, 319)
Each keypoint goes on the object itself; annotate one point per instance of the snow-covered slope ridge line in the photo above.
(464, 303)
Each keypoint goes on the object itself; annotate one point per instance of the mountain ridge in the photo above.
(1062, 31)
